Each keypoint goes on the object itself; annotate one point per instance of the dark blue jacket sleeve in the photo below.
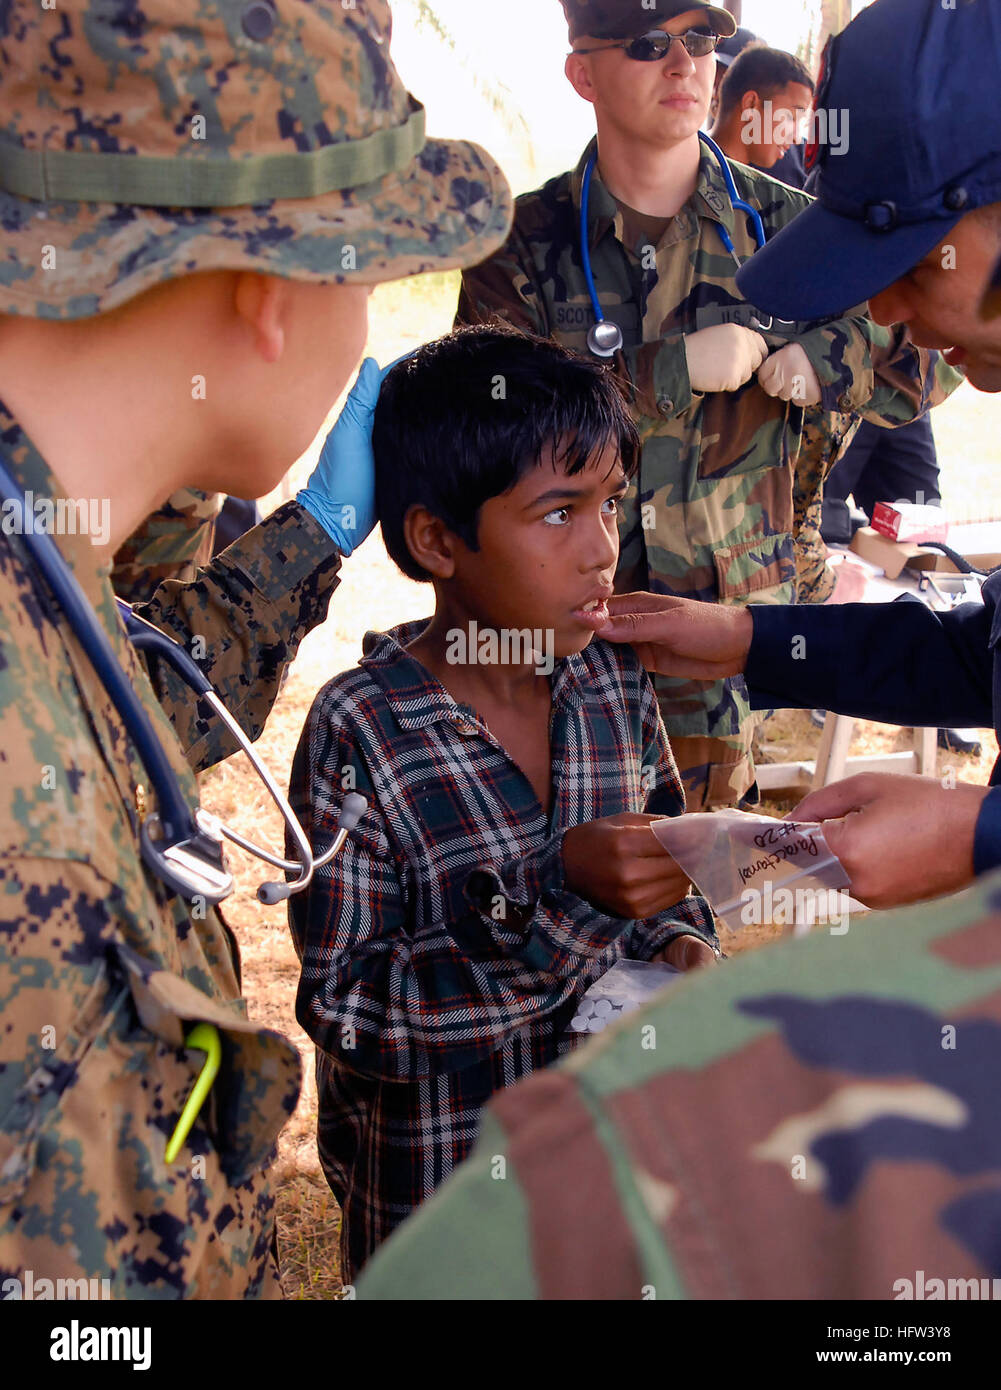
(987, 836)
(898, 663)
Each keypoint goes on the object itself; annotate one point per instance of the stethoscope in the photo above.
(604, 337)
(181, 845)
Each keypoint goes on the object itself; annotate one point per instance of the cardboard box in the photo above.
(977, 542)
(890, 556)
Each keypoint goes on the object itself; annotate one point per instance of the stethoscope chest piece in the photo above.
(194, 868)
(604, 338)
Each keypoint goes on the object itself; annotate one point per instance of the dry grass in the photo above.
(374, 595)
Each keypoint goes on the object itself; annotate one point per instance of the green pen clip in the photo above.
(204, 1037)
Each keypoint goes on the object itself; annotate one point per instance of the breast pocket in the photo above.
(102, 1073)
(109, 1095)
(763, 568)
(742, 431)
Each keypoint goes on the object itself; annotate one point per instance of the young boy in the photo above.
(512, 767)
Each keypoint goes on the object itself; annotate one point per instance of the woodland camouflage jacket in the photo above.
(726, 478)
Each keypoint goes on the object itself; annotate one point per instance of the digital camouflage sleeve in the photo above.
(242, 618)
(855, 1080)
(723, 475)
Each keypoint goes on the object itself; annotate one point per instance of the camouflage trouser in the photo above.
(170, 544)
(716, 772)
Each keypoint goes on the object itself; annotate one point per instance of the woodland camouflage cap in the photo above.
(143, 142)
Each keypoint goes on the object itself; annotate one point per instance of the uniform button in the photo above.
(665, 405)
(845, 402)
(258, 21)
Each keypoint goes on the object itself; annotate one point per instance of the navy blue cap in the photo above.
(918, 82)
(728, 49)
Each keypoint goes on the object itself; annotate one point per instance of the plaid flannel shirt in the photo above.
(442, 954)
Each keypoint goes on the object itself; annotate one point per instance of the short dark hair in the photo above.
(758, 68)
(465, 417)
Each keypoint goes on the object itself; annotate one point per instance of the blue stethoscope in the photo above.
(181, 845)
(605, 337)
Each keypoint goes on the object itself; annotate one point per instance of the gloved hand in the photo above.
(723, 357)
(789, 375)
(340, 492)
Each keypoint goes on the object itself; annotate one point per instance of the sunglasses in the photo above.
(650, 48)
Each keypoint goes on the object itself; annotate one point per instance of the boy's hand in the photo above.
(688, 953)
(618, 865)
(681, 636)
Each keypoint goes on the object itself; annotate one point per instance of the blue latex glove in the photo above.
(340, 492)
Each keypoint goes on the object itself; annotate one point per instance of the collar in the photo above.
(709, 200)
(43, 489)
(417, 699)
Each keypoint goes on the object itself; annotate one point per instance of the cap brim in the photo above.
(822, 264)
(723, 21)
(452, 207)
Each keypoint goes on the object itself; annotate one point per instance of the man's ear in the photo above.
(430, 542)
(260, 301)
(579, 76)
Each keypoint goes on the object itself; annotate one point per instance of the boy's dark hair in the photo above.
(465, 418)
(761, 69)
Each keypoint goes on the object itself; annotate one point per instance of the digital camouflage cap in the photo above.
(624, 19)
(140, 144)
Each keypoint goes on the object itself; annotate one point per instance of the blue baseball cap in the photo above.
(917, 82)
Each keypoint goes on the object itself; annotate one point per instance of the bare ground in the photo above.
(373, 595)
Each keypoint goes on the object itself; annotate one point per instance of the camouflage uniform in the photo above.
(100, 964)
(172, 543)
(311, 163)
(712, 516)
(825, 443)
(814, 1121)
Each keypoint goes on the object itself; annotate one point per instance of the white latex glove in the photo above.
(723, 357)
(789, 375)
